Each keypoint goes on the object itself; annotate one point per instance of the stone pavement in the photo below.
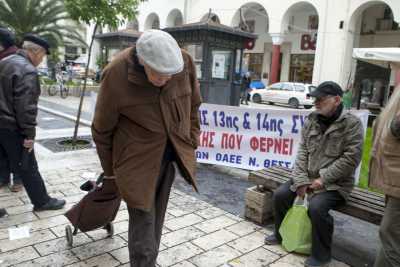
(196, 232)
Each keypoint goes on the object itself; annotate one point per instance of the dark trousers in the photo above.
(322, 222)
(5, 171)
(11, 149)
(389, 232)
(145, 228)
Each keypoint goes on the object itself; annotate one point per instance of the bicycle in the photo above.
(59, 86)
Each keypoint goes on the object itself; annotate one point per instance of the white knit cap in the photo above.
(160, 51)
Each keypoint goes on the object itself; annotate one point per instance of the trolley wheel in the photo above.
(110, 229)
(69, 235)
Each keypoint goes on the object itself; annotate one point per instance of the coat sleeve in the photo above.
(347, 163)
(25, 103)
(300, 171)
(195, 104)
(105, 120)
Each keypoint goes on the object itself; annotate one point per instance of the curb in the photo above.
(65, 116)
(235, 172)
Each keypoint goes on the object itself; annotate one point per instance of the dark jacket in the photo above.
(19, 94)
(9, 51)
(332, 155)
(134, 120)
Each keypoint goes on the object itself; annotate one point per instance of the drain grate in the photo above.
(62, 144)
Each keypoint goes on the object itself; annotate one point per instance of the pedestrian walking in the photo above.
(146, 123)
(19, 94)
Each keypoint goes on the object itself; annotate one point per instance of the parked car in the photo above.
(292, 94)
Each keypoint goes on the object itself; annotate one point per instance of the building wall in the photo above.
(334, 46)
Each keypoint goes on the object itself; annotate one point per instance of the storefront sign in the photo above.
(307, 42)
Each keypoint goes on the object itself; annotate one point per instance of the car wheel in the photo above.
(294, 103)
(308, 106)
(256, 98)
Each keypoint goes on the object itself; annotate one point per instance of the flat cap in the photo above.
(327, 88)
(7, 38)
(39, 41)
(160, 51)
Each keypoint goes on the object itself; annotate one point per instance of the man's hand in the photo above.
(317, 184)
(29, 143)
(301, 191)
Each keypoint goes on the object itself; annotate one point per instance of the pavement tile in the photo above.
(184, 264)
(122, 254)
(184, 221)
(214, 239)
(215, 224)
(60, 244)
(248, 243)
(243, 228)
(181, 236)
(19, 209)
(119, 227)
(99, 247)
(215, 257)
(46, 223)
(53, 260)
(17, 256)
(10, 202)
(35, 238)
(122, 215)
(17, 219)
(210, 213)
(277, 249)
(51, 213)
(105, 260)
(257, 258)
(168, 216)
(290, 260)
(178, 211)
(177, 254)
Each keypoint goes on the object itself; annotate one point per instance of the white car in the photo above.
(292, 94)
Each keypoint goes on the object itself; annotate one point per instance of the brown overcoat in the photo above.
(133, 121)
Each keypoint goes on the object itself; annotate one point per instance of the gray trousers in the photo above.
(145, 228)
(389, 254)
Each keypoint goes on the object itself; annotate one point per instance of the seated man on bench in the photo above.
(329, 153)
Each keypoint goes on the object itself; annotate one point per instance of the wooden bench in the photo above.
(362, 204)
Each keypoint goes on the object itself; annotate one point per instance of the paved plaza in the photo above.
(196, 233)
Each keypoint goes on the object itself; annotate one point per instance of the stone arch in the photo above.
(152, 22)
(250, 12)
(174, 18)
(212, 16)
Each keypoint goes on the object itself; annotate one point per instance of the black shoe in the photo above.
(52, 204)
(312, 262)
(271, 240)
(3, 213)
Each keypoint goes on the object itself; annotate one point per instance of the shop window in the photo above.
(301, 68)
(253, 62)
(196, 51)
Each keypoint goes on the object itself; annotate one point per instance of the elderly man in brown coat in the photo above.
(384, 174)
(146, 123)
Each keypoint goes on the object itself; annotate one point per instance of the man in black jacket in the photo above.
(19, 95)
(7, 48)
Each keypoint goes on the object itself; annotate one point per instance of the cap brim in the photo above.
(316, 94)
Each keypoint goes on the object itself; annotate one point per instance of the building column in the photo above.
(277, 40)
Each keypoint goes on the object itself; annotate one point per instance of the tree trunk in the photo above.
(78, 117)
